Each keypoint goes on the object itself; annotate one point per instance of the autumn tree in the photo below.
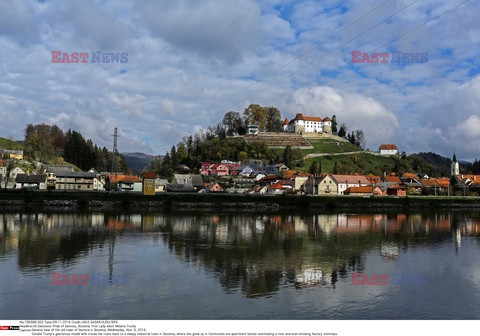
(255, 114)
(269, 119)
(233, 123)
(273, 119)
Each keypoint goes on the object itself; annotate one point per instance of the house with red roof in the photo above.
(363, 191)
(388, 149)
(344, 182)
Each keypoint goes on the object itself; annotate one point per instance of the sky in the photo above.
(189, 62)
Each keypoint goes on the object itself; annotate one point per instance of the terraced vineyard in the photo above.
(279, 140)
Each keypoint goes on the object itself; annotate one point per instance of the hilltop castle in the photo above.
(305, 124)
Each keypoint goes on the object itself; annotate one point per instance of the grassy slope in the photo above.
(330, 146)
(355, 163)
(350, 163)
(9, 144)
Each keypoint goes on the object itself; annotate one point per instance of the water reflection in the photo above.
(256, 253)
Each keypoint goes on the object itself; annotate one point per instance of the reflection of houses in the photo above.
(24, 181)
(389, 250)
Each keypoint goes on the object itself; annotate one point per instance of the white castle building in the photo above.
(305, 124)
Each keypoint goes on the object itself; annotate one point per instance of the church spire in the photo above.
(454, 157)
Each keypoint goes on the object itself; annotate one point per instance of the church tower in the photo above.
(454, 167)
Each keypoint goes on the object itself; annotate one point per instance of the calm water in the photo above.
(240, 266)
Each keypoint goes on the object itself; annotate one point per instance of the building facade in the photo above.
(307, 124)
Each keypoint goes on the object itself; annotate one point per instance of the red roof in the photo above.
(353, 179)
(149, 175)
(360, 190)
(285, 122)
(275, 186)
(129, 179)
(393, 178)
(388, 146)
(299, 116)
(312, 119)
(327, 119)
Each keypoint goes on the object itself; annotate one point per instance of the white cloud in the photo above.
(190, 62)
(355, 110)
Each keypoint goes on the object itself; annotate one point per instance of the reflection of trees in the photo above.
(257, 253)
(260, 253)
(42, 239)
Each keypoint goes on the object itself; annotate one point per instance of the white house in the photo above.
(344, 182)
(31, 181)
(14, 172)
(388, 149)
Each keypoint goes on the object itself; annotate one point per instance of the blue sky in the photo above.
(190, 62)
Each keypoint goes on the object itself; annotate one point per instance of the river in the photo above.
(240, 265)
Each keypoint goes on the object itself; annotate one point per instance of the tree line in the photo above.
(50, 144)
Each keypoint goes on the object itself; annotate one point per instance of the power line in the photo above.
(308, 51)
(393, 40)
(326, 54)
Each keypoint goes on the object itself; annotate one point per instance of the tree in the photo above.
(268, 119)
(360, 140)
(315, 168)
(351, 138)
(255, 114)
(335, 168)
(273, 119)
(334, 124)
(288, 156)
(343, 130)
(233, 123)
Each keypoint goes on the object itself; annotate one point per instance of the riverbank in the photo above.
(128, 201)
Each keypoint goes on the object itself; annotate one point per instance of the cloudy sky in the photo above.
(191, 61)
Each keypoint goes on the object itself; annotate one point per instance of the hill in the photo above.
(10, 144)
(137, 162)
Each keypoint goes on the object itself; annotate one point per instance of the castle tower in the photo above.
(299, 123)
(285, 124)
(454, 167)
(327, 125)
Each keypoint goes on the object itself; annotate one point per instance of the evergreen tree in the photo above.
(343, 131)
(335, 168)
(314, 168)
(334, 124)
